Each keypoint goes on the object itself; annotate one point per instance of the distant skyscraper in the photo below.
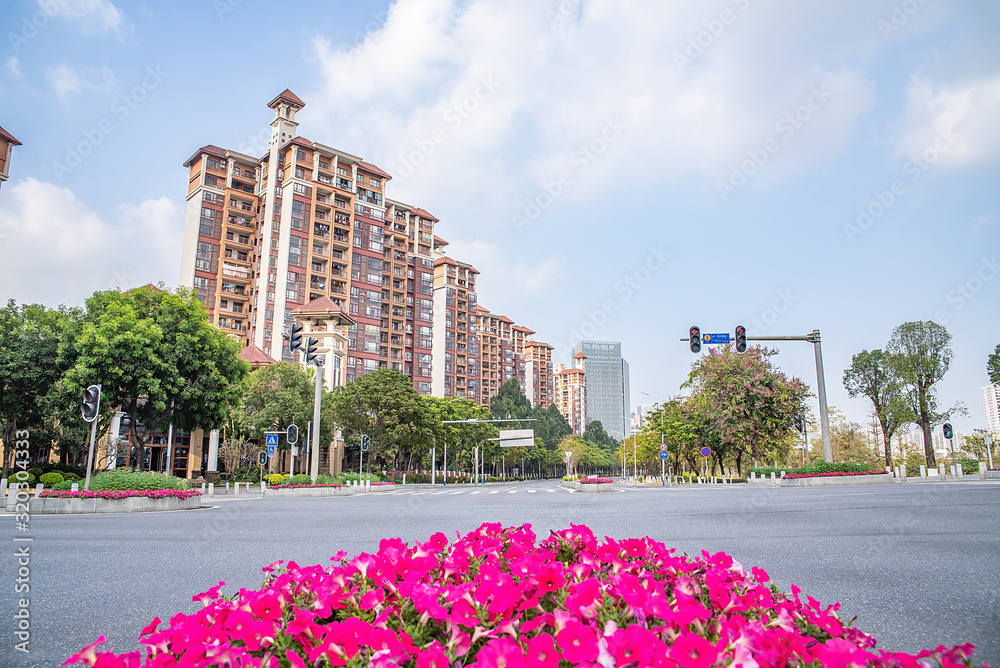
(991, 403)
(607, 386)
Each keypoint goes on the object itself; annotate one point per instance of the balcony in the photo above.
(235, 272)
(323, 178)
(240, 220)
(342, 204)
(236, 204)
(317, 285)
(343, 184)
(321, 230)
(319, 215)
(233, 289)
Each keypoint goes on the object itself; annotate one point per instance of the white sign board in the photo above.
(517, 438)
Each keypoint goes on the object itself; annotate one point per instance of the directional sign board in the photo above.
(663, 455)
(272, 444)
(517, 438)
(715, 338)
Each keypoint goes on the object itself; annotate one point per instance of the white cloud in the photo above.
(91, 16)
(54, 249)
(515, 275)
(13, 66)
(966, 112)
(67, 81)
(561, 76)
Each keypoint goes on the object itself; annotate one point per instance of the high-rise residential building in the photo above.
(266, 236)
(571, 393)
(538, 381)
(7, 144)
(499, 361)
(456, 342)
(608, 395)
(991, 405)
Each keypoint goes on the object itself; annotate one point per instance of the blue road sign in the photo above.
(705, 452)
(272, 444)
(715, 338)
(663, 455)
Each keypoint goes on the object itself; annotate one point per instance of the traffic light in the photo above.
(91, 403)
(948, 433)
(364, 442)
(741, 340)
(292, 434)
(295, 341)
(695, 339)
(311, 346)
(797, 420)
(262, 458)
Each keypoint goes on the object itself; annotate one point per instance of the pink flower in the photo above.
(692, 651)
(500, 653)
(433, 657)
(542, 652)
(578, 642)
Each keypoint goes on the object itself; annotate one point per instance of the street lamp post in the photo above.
(663, 479)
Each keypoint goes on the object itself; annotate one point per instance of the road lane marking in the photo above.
(513, 491)
(461, 491)
(531, 491)
(476, 492)
(496, 491)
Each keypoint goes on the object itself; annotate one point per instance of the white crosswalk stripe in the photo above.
(476, 492)
(496, 491)
(513, 491)
(461, 491)
(551, 490)
(436, 493)
(531, 491)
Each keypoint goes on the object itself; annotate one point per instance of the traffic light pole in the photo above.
(93, 436)
(314, 460)
(814, 339)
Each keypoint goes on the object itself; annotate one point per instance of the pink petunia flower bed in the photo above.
(498, 597)
(595, 481)
(834, 474)
(304, 485)
(120, 493)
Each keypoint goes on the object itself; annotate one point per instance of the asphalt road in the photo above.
(918, 564)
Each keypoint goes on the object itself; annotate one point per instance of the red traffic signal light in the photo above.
(694, 339)
(741, 339)
(91, 403)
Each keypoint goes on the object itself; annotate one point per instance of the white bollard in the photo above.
(902, 472)
(211, 489)
(982, 470)
(237, 489)
(888, 470)
(75, 487)
(923, 471)
(202, 488)
(263, 486)
(12, 497)
(958, 471)
(368, 485)
(895, 473)
(404, 478)
(772, 476)
(227, 487)
(953, 473)
(38, 489)
(3, 487)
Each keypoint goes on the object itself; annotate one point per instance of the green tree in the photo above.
(872, 375)
(742, 403)
(279, 395)
(920, 355)
(674, 422)
(510, 402)
(156, 357)
(993, 365)
(30, 368)
(381, 404)
(595, 433)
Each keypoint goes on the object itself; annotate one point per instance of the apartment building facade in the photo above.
(266, 236)
(571, 393)
(991, 406)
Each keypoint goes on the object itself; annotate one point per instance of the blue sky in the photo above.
(616, 170)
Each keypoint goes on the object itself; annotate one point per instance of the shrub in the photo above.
(124, 479)
(51, 478)
(22, 477)
(969, 466)
(497, 597)
(69, 475)
(299, 479)
(36, 471)
(65, 485)
(276, 478)
(78, 471)
(811, 469)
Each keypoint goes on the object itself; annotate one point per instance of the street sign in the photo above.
(517, 438)
(663, 447)
(295, 451)
(262, 458)
(705, 452)
(272, 443)
(663, 455)
(715, 338)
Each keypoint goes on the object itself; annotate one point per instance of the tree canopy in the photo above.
(872, 375)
